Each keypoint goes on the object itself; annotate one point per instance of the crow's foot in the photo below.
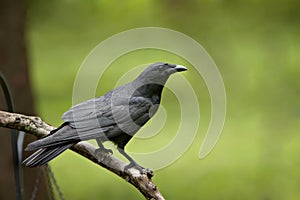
(141, 169)
(103, 150)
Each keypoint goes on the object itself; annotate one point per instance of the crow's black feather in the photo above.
(115, 116)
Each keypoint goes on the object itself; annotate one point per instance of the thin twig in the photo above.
(36, 126)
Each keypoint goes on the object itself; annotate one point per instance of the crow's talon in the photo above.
(130, 165)
(142, 170)
(104, 150)
(148, 172)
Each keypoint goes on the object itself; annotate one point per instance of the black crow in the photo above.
(115, 116)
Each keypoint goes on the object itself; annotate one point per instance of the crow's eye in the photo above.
(166, 64)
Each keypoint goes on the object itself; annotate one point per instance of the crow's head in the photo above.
(159, 72)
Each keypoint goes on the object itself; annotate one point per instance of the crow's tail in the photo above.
(44, 155)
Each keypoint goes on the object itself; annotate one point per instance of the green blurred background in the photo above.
(255, 44)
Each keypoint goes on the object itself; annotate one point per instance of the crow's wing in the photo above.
(87, 109)
(96, 116)
(131, 117)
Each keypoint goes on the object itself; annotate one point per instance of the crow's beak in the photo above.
(180, 68)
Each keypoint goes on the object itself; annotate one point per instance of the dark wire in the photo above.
(14, 144)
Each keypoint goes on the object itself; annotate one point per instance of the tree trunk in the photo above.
(14, 66)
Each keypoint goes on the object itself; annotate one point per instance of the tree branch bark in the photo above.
(36, 126)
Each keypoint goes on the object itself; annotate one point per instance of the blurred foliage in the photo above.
(256, 47)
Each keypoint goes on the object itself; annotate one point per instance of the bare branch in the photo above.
(36, 126)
